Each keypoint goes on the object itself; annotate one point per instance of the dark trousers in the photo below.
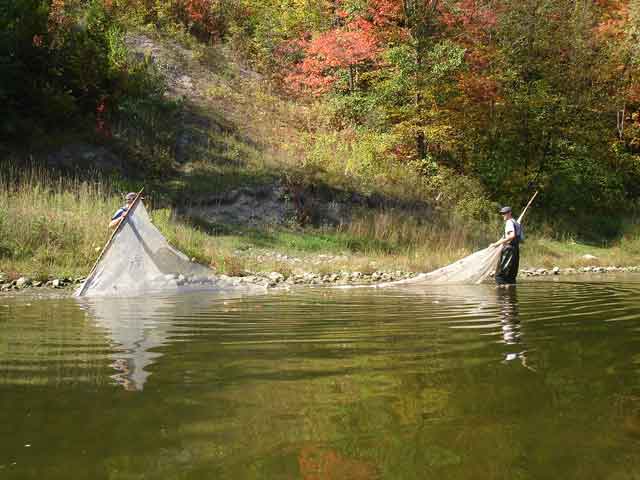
(507, 268)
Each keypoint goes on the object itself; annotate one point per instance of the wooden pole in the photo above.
(527, 207)
(108, 244)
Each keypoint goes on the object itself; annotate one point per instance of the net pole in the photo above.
(109, 242)
(481, 279)
(527, 207)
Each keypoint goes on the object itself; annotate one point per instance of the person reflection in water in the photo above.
(507, 300)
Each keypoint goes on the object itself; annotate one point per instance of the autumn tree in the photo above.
(343, 49)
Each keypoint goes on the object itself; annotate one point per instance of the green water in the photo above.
(538, 382)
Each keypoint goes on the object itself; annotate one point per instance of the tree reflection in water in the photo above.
(317, 463)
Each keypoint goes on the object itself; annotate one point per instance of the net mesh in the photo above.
(471, 269)
(139, 259)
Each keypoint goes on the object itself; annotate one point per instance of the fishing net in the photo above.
(471, 269)
(139, 259)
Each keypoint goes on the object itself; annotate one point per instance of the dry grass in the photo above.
(51, 225)
(56, 226)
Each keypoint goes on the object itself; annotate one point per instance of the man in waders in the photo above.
(115, 220)
(507, 269)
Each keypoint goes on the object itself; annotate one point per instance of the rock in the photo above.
(556, 270)
(37, 284)
(275, 277)
(56, 283)
(589, 257)
(23, 282)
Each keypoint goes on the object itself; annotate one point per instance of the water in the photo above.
(459, 383)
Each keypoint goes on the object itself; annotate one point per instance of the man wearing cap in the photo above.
(507, 268)
(115, 220)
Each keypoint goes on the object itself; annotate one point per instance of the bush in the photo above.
(65, 66)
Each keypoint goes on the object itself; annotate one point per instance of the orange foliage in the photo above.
(478, 88)
(336, 49)
(326, 464)
(473, 20)
(614, 19)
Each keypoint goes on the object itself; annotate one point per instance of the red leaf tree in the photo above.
(343, 48)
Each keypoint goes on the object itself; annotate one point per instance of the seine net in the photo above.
(471, 269)
(138, 259)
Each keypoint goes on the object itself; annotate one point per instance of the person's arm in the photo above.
(502, 241)
(117, 218)
(509, 236)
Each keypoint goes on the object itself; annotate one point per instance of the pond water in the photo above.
(541, 381)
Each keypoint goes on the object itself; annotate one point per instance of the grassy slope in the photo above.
(246, 135)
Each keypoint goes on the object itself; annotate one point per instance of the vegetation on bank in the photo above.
(431, 105)
(56, 226)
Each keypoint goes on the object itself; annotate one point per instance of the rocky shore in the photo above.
(279, 280)
(264, 279)
(21, 283)
(539, 272)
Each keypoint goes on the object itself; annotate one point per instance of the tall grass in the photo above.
(51, 224)
(55, 226)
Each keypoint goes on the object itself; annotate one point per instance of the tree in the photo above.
(344, 48)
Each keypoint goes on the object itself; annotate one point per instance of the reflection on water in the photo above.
(135, 331)
(137, 327)
(538, 381)
(507, 298)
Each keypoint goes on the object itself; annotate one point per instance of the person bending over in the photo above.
(507, 268)
(117, 217)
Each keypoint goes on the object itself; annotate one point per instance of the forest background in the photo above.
(433, 111)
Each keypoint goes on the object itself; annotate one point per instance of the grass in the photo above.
(52, 226)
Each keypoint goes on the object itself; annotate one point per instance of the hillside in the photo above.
(243, 175)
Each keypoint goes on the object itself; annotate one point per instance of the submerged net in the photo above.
(138, 259)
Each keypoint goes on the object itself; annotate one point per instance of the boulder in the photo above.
(23, 282)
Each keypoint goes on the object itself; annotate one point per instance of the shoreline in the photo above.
(271, 280)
